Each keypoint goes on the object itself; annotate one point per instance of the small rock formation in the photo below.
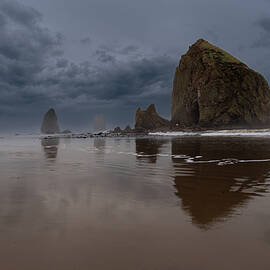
(213, 89)
(117, 130)
(149, 120)
(66, 131)
(50, 123)
(128, 129)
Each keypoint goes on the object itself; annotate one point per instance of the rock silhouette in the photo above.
(212, 88)
(149, 120)
(50, 123)
(117, 130)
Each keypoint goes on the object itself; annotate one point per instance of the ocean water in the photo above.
(150, 203)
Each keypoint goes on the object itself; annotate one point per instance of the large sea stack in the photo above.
(214, 89)
(50, 123)
(149, 120)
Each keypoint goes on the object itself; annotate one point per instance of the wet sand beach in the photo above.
(135, 203)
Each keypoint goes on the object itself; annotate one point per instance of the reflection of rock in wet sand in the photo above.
(212, 193)
(99, 144)
(50, 147)
(148, 148)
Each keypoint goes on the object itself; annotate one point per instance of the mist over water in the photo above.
(134, 203)
(99, 122)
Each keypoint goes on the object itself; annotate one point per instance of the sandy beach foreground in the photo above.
(135, 203)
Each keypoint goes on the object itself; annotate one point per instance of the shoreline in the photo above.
(178, 133)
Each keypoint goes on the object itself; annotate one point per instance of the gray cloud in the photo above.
(85, 40)
(34, 76)
(263, 40)
(62, 63)
(25, 44)
(104, 56)
(111, 89)
(129, 49)
(25, 49)
(264, 23)
(24, 16)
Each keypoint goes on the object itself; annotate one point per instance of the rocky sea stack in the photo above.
(149, 120)
(214, 89)
(50, 123)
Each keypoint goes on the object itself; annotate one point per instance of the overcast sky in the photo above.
(87, 57)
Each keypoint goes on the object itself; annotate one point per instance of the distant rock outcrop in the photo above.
(117, 130)
(66, 131)
(128, 129)
(50, 123)
(149, 120)
(214, 89)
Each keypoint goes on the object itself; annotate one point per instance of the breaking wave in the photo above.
(230, 133)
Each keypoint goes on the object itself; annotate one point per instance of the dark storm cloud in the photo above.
(24, 44)
(133, 82)
(104, 56)
(85, 40)
(264, 40)
(129, 49)
(62, 63)
(264, 23)
(35, 76)
(25, 16)
(24, 49)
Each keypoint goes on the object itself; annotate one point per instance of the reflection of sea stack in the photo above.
(50, 123)
(148, 148)
(99, 144)
(212, 88)
(50, 146)
(210, 193)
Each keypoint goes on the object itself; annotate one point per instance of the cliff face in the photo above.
(149, 119)
(50, 123)
(212, 88)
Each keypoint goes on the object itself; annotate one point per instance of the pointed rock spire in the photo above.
(50, 123)
(149, 120)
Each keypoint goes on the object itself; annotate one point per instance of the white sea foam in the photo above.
(225, 161)
(240, 132)
(144, 155)
(163, 155)
(180, 156)
(176, 133)
(229, 133)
